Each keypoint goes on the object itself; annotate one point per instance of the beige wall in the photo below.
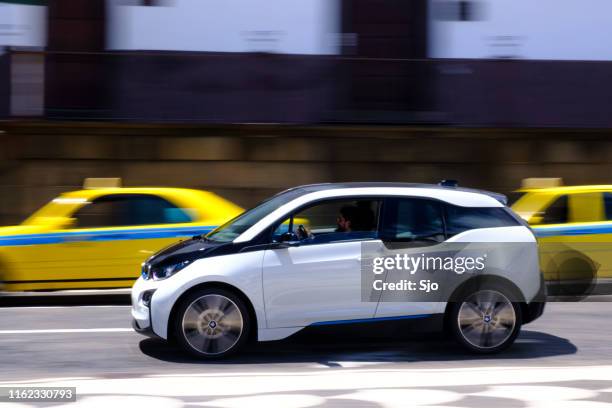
(248, 163)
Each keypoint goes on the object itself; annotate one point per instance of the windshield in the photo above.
(232, 229)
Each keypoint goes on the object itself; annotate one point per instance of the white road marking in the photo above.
(96, 330)
(538, 393)
(223, 385)
(353, 364)
(402, 398)
(512, 370)
(568, 404)
(123, 401)
(534, 387)
(277, 400)
(76, 307)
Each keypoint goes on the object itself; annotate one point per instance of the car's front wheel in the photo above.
(212, 323)
(485, 320)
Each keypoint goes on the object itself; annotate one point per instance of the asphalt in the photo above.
(565, 354)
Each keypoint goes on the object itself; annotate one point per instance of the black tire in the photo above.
(206, 323)
(493, 333)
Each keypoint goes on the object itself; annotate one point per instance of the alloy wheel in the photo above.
(486, 319)
(212, 324)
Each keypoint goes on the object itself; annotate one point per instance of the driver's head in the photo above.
(346, 218)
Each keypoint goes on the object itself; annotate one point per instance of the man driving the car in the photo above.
(346, 218)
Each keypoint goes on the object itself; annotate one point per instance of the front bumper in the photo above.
(142, 293)
(146, 331)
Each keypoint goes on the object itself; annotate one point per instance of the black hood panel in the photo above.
(190, 249)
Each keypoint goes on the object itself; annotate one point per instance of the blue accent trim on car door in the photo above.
(370, 320)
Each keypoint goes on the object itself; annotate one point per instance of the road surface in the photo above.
(562, 360)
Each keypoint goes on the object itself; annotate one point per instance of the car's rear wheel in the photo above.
(485, 320)
(212, 323)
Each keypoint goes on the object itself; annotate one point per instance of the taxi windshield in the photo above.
(232, 229)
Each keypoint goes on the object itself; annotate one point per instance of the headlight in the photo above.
(163, 272)
(145, 271)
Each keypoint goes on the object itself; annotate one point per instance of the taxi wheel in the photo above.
(485, 321)
(212, 323)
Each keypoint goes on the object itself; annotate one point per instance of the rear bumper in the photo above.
(532, 311)
(535, 308)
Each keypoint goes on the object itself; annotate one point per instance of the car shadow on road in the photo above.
(332, 350)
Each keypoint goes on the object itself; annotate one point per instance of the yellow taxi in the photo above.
(99, 236)
(573, 225)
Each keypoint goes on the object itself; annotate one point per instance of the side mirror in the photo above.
(288, 239)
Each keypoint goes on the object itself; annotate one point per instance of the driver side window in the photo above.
(330, 221)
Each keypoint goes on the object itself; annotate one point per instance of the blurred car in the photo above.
(573, 225)
(265, 276)
(98, 237)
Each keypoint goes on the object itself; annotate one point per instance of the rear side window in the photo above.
(129, 209)
(557, 212)
(460, 219)
(608, 205)
(513, 197)
(413, 220)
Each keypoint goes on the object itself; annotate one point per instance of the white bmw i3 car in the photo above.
(302, 259)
